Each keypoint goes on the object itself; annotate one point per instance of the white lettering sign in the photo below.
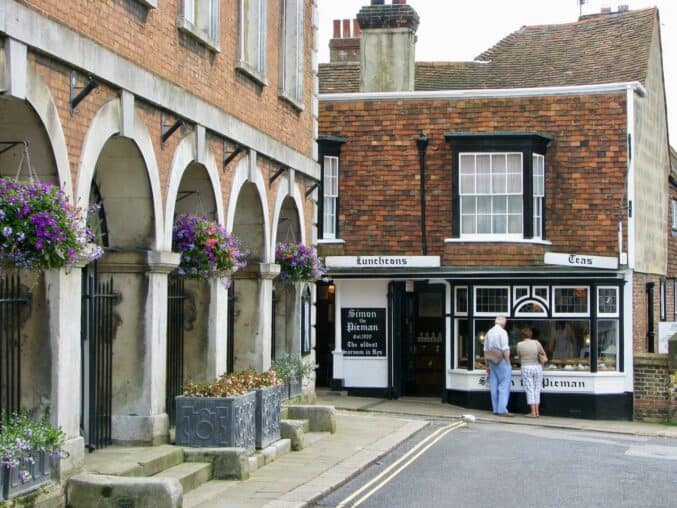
(551, 384)
(580, 260)
(382, 261)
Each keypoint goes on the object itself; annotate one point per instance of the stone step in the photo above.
(269, 454)
(190, 474)
(314, 437)
(133, 460)
(295, 430)
(206, 495)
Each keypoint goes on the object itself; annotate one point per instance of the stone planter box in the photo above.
(11, 483)
(216, 422)
(292, 388)
(268, 402)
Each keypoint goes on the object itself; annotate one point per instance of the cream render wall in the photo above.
(652, 166)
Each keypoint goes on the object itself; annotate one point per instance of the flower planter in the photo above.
(216, 421)
(292, 388)
(268, 401)
(35, 475)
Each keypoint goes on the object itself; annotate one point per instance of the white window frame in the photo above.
(526, 301)
(291, 80)
(545, 300)
(570, 314)
(505, 311)
(255, 70)
(491, 236)
(151, 4)
(663, 299)
(188, 22)
(608, 314)
(674, 214)
(331, 163)
(467, 294)
(538, 184)
(514, 293)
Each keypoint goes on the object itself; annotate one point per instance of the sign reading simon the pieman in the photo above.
(363, 332)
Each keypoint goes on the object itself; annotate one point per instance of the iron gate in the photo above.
(175, 326)
(98, 300)
(12, 299)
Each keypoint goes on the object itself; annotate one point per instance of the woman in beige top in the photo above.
(532, 371)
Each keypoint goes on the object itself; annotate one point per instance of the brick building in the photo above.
(151, 109)
(531, 181)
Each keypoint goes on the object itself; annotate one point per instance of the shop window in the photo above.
(538, 168)
(571, 301)
(462, 334)
(492, 300)
(607, 344)
(200, 18)
(291, 67)
(331, 194)
(607, 301)
(461, 301)
(252, 35)
(491, 194)
(519, 292)
(542, 293)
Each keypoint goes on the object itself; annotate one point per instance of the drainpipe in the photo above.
(422, 144)
(651, 332)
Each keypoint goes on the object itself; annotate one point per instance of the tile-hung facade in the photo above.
(531, 182)
(151, 109)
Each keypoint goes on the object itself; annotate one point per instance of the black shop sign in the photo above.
(363, 331)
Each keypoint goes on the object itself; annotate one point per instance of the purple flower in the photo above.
(7, 231)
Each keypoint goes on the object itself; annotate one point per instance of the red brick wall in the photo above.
(379, 176)
(153, 41)
(653, 385)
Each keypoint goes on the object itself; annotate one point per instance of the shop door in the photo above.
(325, 333)
(426, 347)
(400, 328)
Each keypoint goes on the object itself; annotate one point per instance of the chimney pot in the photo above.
(337, 29)
(623, 8)
(605, 10)
(346, 29)
(399, 2)
(377, 2)
(356, 28)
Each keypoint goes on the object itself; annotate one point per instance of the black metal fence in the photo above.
(12, 300)
(98, 300)
(175, 326)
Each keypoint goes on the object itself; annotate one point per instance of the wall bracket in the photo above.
(79, 93)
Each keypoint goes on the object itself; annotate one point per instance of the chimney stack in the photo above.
(387, 46)
(345, 45)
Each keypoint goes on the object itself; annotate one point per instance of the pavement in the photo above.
(367, 429)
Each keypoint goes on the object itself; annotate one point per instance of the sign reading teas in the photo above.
(580, 260)
(363, 331)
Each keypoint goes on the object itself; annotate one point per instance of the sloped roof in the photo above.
(601, 48)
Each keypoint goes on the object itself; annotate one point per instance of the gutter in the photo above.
(602, 88)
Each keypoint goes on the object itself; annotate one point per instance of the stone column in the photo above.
(151, 424)
(63, 289)
(217, 355)
(267, 272)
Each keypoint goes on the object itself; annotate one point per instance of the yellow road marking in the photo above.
(423, 446)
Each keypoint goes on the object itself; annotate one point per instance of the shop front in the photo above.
(404, 326)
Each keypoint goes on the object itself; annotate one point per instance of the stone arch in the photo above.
(104, 126)
(283, 197)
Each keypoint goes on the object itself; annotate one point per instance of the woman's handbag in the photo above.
(542, 357)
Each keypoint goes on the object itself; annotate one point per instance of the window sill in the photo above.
(331, 241)
(251, 74)
(151, 4)
(190, 29)
(290, 100)
(497, 240)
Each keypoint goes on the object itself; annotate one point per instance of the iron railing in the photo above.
(175, 348)
(12, 299)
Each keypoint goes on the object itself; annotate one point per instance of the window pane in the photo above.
(500, 204)
(607, 343)
(514, 224)
(607, 302)
(483, 164)
(468, 205)
(483, 224)
(521, 292)
(514, 162)
(292, 54)
(468, 225)
(461, 300)
(252, 28)
(189, 10)
(500, 164)
(571, 300)
(463, 332)
(493, 300)
(467, 164)
(515, 205)
(483, 205)
(467, 184)
(499, 184)
(500, 224)
(483, 184)
(514, 183)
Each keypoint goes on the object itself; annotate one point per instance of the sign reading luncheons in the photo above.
(363, 331)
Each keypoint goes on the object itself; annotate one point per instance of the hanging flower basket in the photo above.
(297, 262)
(207, 249)
(40, 229)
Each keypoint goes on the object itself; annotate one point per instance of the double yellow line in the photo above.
(385, 476)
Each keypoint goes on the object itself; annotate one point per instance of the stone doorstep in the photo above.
(190, 474)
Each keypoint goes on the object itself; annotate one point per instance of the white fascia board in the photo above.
(493, 93)
(60, 42)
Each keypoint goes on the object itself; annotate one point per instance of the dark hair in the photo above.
(527, 332)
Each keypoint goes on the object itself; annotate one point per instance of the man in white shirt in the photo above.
(500, 374)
